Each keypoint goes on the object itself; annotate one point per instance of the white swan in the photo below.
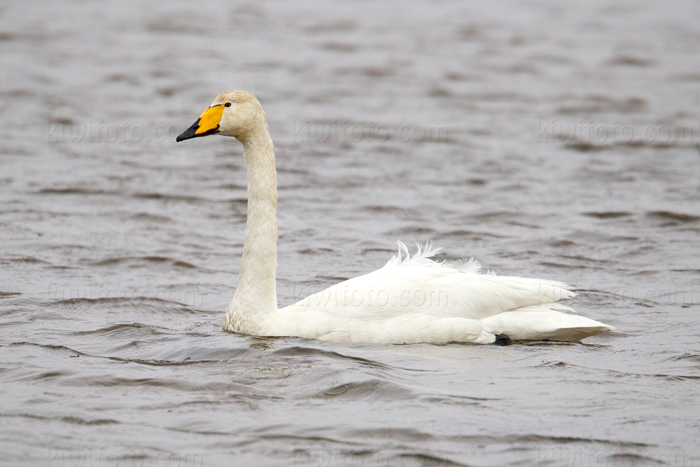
(409, 300)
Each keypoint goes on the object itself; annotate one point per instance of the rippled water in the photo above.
(555, 141)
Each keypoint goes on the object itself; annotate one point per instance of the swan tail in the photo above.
(545, 322)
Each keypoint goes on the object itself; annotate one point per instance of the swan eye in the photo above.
(228, 104)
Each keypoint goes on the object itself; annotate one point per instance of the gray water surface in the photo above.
(546, 140)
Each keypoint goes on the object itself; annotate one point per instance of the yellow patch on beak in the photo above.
(210, 119)
(206, 124)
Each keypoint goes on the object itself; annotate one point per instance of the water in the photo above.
(554, 141)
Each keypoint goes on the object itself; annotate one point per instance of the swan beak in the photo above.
(206, 124)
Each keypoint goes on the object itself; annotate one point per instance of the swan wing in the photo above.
(416, 299)
(408, 285)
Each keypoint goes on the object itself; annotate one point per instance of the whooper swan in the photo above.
(412, 299)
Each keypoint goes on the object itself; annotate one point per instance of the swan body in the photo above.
(412, 299)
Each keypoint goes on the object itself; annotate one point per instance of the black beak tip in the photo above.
(189, 133)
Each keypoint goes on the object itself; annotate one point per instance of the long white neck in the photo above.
(255, 299)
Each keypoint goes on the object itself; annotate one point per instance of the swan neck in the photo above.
(255, 299)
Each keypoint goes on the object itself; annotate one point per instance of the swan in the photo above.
(411, 299)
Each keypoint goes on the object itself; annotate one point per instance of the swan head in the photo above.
(233, 113)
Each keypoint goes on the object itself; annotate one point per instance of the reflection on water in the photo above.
(547, 141)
